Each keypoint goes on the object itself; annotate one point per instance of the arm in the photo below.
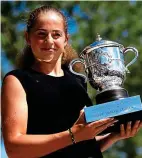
(108, 140)
(14, 125)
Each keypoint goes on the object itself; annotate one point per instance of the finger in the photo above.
(135, 128)
(122, 130)
(81, 112)
(102, 122)
(111, 123)
(128, 129)
(140, 124)
(101, 128)
(81, 118)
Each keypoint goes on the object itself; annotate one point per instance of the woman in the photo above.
(42, 101)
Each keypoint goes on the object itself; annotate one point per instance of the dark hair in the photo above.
(25, 59)
(35, 13)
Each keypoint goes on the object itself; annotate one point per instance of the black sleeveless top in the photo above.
(54, 104)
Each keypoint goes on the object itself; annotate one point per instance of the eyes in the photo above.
(44, 34)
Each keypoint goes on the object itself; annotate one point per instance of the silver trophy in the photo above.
(105, 68)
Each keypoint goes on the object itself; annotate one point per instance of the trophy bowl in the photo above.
(106, 70)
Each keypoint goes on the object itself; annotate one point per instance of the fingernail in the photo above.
(116, 121)
(111, 119)
(112, 124)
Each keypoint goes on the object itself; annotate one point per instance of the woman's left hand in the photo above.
(126, 132)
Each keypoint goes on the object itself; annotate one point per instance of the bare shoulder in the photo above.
(14, 106)
(11, 83)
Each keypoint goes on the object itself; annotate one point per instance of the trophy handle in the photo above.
(135, 58)
(74, 61)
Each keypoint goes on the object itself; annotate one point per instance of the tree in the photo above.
(116, 21)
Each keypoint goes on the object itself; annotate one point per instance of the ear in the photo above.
(27, 38)
(67, 39)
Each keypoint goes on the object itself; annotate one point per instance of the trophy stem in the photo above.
(111, 95)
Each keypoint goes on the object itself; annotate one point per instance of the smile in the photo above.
(48, 49)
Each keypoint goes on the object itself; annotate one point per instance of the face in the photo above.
(47, 38)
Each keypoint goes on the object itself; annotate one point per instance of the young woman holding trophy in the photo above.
(36, 119)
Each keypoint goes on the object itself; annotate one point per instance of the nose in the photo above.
(49, 39)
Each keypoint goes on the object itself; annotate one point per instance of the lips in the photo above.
(48, 49)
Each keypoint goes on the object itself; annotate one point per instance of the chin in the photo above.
(47, 60)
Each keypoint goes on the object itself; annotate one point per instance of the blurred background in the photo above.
(119, 21)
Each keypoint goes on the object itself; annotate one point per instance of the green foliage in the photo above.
(116, 21)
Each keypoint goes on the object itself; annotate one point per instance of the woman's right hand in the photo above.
(85, 131)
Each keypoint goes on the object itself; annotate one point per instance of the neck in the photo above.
(49, 68)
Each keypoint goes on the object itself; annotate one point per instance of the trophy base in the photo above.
(116, 94)
(123, 119)
(124, 110)
(111, 95)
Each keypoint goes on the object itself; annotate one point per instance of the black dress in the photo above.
(54, 104)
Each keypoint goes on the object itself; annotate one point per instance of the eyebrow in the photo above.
(40, 30)
(47, 31)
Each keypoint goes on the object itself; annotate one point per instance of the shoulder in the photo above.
(16, 73)
(13, 79)
(20, 74)
(12, 89)
(11, 76)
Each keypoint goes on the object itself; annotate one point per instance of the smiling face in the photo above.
(47, 38)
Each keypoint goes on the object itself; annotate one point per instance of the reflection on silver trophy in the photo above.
(105, 68)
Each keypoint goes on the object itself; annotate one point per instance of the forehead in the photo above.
(49, 20)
